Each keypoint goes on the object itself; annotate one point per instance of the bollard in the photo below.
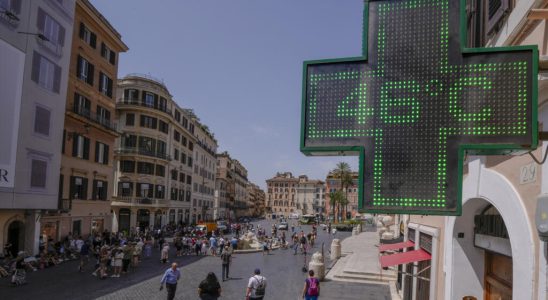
(316, 264)
(335, 249)
(355, 231)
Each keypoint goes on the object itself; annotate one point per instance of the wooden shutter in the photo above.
(63, 142)
(93, 40)
(155, 101)
(61, 37)
(84, 195)
(109, 87)
(57, 79)
(41, 19)
(75, 138)
(126, 94)
(82, 30)
(101, 76)
(86, 148)
(35, 66)
(103, 50)
(78, 66)
(91, 70)
(96, 152)
(105, 155)
(72, 188)
(105, 191)
(112, 57)
(94, 190)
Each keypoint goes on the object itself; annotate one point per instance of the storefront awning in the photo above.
(396, 246)
(404, 258)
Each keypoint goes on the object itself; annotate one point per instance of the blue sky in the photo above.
(238, 64)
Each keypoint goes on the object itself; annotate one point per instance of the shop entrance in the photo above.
(16, 237)
(124, 220)
(143, 218)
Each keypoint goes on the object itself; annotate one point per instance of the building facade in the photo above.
(310, 196)
(85, 183)
(154, 157)
(205, 164)
(495, 238)
(239, 173)
(35, 39)
(332, 184)
(255, 200)
(282, 195)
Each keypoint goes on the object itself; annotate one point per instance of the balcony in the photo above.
(98, 119)
(142, 151)
(141, 201)
(123, 102)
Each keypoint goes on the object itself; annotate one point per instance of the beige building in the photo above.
(35, 40)
(310, 196)
(332, 184)
(154, 157)
(491, 251)
(205, 164)
(85, 187)
(255, 201)
(282, 195)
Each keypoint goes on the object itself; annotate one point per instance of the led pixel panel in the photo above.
(416, 103)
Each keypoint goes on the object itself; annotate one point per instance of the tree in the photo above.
(344, 173)
(334, 201)
(347, 181)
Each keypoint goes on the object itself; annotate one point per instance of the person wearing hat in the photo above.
(256, 286)
(226, 258)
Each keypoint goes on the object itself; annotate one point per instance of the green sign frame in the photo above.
(463, 149)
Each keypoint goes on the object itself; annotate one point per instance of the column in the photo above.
(133, 219)
(152, 218)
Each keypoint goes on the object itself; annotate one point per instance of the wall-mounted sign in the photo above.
(415, 102)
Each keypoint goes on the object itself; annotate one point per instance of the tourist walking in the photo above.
(209, 288)
(165, 253)
(226, 258)
(117, 262)
(170, 278)
(256, 287)
(84, 256)
(311, 289)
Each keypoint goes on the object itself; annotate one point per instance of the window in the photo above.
(84, 70)
(131, 95)
(130, 141)
(52, 30)
(108, 54)
(177, 116)
(183, 158)
(161, 148)
(147, 145)
(173, 195)
(130, 119)
(145, 168)
(80, 146)
(188, 195)
(149, 99)
(41, 120)
(82, 105)
(160, 170)
(78, 187)
(89, 37)
(103, 116)
(163, 127)
(162, 104)
(99, 190)
(105, 84)
(190, 161)
(185, 122)
(191, 128)
(173, 174)
(183, 141)
(160, 192)
(176, 135)
(127, 166)
(148, 122)
(182, 177)
(145, 190)
(125, 189)
(188, 179)
(101, 153)
(175, 154)
(181, 195)
(38, 173)
(45, 73)
(13, 6)
(190, 146)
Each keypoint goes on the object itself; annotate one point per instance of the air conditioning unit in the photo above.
(495, 12)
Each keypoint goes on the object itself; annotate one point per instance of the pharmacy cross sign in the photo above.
(416, 103)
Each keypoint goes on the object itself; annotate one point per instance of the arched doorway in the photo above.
(16, 237)
(472, 261)
(143, 219)
(124, 220)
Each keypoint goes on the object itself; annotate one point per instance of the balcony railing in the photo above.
(124, 101)
(142, 151)
(141, 201)
(86, 113)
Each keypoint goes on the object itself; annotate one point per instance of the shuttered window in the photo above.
(45, 73)
(38, 173)
(89, 37)
(78, 188)
(101, 153)
(80, 146)
(51, 29)
(85, 70)
(42, 120)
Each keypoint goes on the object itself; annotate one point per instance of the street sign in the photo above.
(416, 102)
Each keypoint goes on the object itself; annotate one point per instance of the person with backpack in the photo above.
(256, 286)
(311, 290)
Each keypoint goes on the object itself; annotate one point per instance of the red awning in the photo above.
(396, 246)
(404, 258)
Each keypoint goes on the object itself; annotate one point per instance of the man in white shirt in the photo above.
(256, 286)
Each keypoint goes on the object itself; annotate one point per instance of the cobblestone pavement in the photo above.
(282, 269)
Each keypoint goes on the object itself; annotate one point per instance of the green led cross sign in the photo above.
(416, 102)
